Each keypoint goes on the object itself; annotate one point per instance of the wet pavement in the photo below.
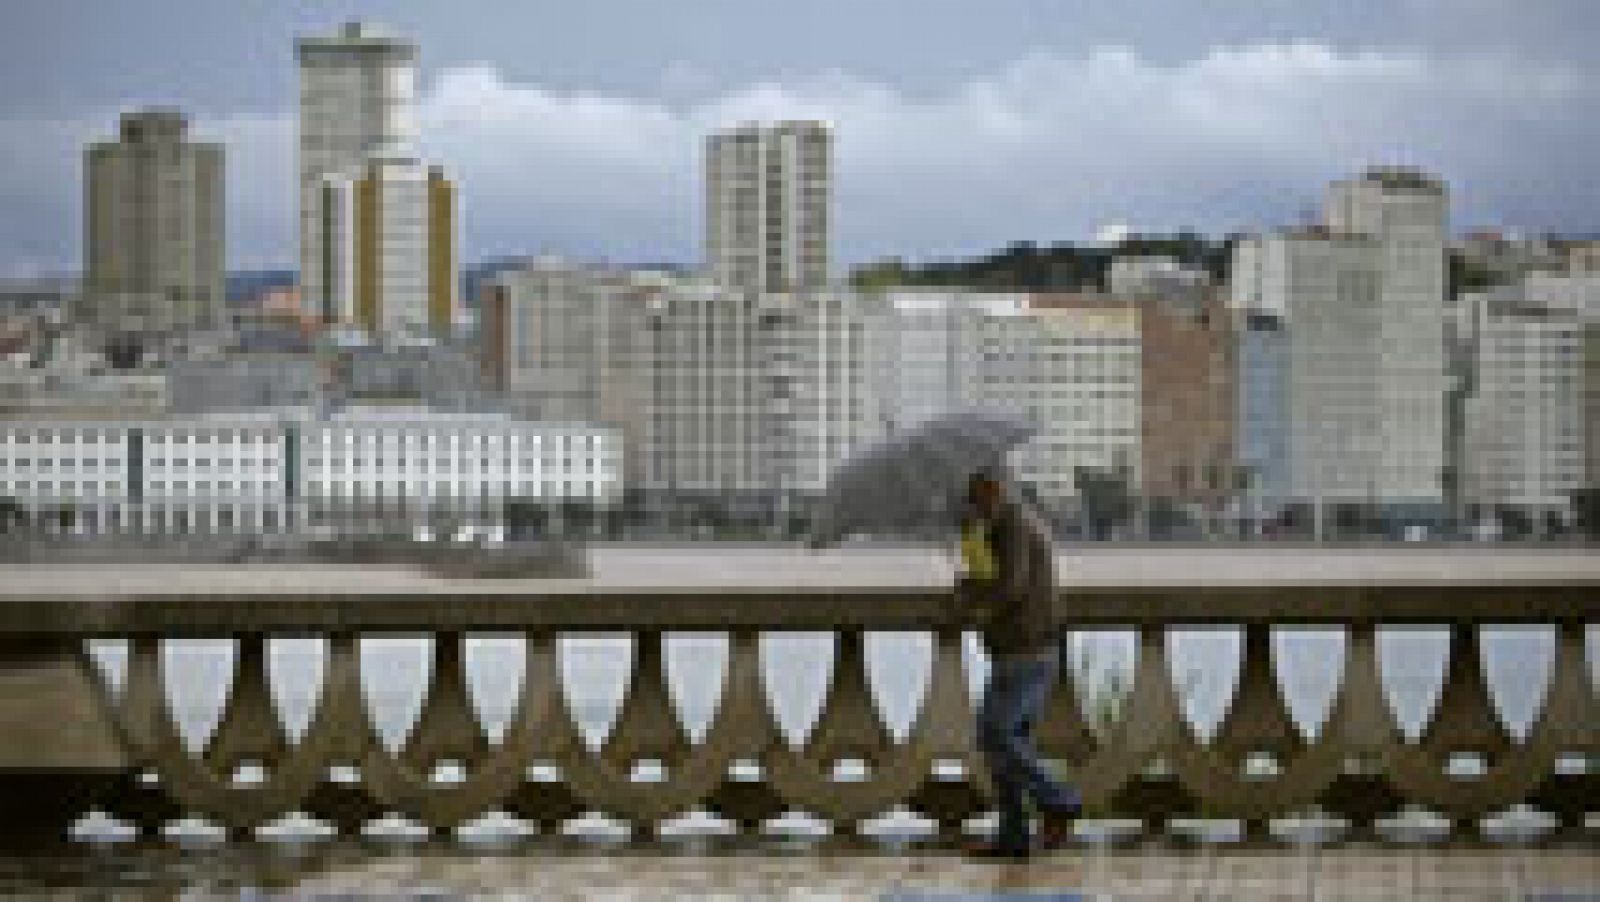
(556, 870)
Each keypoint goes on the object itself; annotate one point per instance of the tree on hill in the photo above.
(1027, 266)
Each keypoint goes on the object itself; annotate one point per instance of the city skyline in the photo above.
(1136, 128)
(496, 447)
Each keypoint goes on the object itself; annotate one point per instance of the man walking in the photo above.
(1018, 588)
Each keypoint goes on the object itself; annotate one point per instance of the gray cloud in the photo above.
(1047, 147)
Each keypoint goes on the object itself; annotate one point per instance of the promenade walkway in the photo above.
(545, 873)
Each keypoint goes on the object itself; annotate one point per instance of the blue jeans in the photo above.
(1018, 687)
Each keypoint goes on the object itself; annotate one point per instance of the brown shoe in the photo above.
(1055, 827)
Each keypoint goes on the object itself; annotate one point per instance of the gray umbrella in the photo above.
(915, 480)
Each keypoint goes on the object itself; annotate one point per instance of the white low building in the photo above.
(473, 460)
(274, 471)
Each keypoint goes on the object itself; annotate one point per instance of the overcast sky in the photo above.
(960, 125)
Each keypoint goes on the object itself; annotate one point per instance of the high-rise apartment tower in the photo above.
(1405, 211)
(356, 92)
(768, 190)
(153, 228)
(390, 265)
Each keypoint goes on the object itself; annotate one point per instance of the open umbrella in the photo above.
(914, 481)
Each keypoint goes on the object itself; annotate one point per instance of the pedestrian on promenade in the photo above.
(1010, 575)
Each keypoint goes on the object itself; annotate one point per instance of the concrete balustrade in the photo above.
(68, 744)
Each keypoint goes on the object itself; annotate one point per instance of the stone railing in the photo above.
(69, 744)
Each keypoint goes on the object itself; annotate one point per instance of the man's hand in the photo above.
(975, 598)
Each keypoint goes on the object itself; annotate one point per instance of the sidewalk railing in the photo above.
(70, 744)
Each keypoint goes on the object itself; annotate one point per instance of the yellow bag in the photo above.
(976, 553)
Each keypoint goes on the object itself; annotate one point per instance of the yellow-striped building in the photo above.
(390, 266)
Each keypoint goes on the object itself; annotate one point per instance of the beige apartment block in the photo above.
(1406, 212)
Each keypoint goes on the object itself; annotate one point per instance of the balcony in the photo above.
(71, 744)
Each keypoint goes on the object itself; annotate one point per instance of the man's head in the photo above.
(983, 493)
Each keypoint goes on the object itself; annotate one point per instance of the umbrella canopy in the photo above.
(915, 480)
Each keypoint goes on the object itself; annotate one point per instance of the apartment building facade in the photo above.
(1528, 436)
(357, 89)
(1189, 399)
(1405, 212)
(752, 397)
(1069, 364)
(153, 228)
(768, 193)
(566, 341)
(1321, 290)
(388, 240)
